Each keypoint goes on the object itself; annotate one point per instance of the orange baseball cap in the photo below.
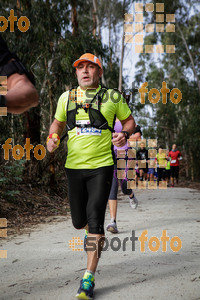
(88, 57)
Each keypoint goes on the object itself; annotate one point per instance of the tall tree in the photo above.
(122, 53)
(74, 18)
(176, 123)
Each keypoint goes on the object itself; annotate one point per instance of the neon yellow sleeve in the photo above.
(60, 114)
(123, 111)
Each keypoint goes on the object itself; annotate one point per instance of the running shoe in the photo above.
(86, 287)
(112, 227)
(133, 202)
(85, 240)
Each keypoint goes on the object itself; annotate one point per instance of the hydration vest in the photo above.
(96, 119)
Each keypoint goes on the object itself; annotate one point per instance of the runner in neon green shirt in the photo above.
(167, 173)
(161, 163)
(89, 164)
(95, 147)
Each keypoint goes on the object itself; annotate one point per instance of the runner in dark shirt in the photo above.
(142, 158)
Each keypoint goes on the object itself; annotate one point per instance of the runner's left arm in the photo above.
(119, 138)
(128, 125)
(180, 156)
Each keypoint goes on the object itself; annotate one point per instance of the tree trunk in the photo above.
(122, 54)
(18, 4)
(192, 165)
(50, 96)
(52, 181)
(97, 29)
(96, 22)
(74, 18)
(110, 34)
(32, 125)
(94, 29)
(190, 56)
(12, 130)
(187, 164)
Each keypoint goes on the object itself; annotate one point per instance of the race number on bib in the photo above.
(87, 131)
(173, 161)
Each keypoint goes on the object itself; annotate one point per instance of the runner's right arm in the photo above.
(56, 127)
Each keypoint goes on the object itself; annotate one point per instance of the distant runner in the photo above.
(174, 165)
(161, 164)
(112, 226)
(142, 157)
(167, 170)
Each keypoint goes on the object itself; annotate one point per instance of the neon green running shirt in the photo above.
(168, 165)
(91, 148)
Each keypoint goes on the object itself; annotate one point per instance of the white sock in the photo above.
(88, 271)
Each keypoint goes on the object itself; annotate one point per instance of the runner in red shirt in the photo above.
(175, 156)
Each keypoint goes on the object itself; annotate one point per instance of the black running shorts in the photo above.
(88, 191)
(174, 171)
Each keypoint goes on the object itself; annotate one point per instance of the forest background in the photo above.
(61, 31)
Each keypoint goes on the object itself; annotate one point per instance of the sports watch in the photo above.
(126, 134)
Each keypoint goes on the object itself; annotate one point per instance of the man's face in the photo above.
(88, 75)
(174, 147)
(142, 146)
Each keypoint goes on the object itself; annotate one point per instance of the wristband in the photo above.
(54, 135)
(126, 134)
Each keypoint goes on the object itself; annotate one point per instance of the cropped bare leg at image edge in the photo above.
(89, 164)
(21, 94)
(112, 226)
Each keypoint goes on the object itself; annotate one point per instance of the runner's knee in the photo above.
(96, 229)
(79, 224)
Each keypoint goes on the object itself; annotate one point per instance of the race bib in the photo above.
(82, 122)
(173, 161)
(87, 131)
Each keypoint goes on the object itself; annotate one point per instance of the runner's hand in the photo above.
(52, 145)
(119, 139)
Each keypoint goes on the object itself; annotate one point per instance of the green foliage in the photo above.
(10, 176)
(12, 173)
(175, 123)
(48, 49)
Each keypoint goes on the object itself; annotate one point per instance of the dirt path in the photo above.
(41, 265)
